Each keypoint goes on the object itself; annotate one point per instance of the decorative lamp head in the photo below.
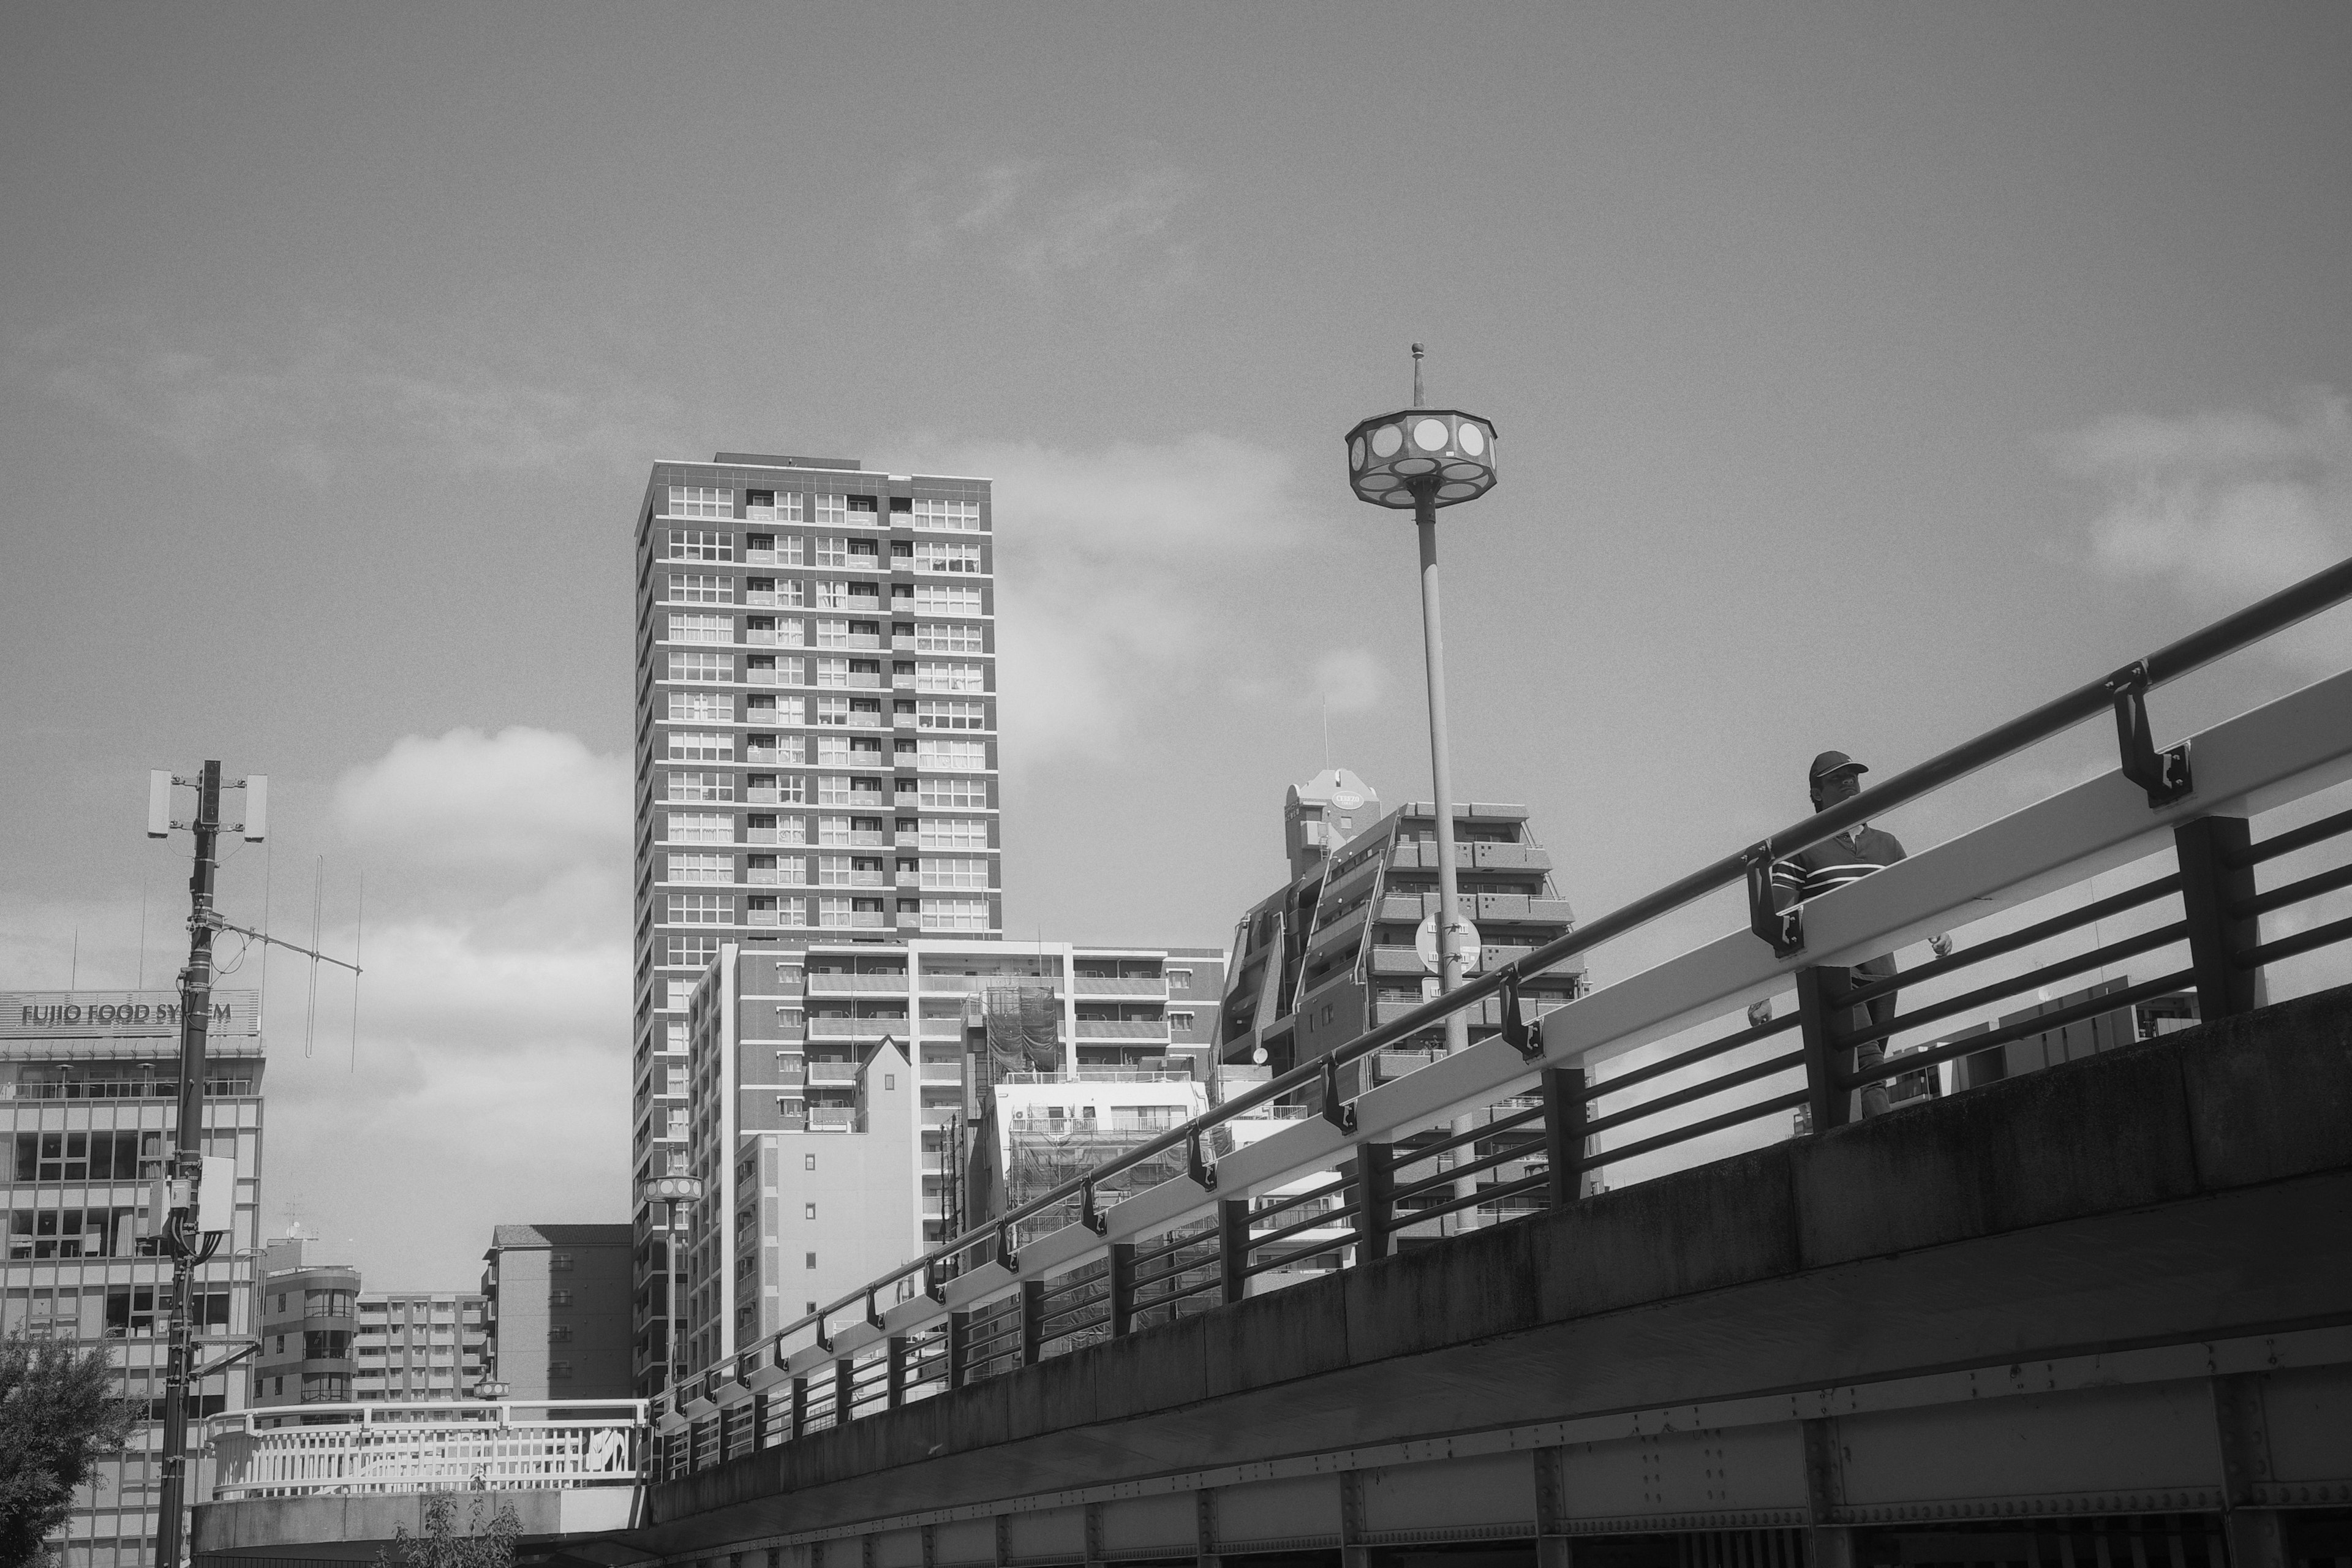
(1443, 451)
(672, 1189)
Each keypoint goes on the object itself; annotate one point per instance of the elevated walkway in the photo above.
(2122, 1286)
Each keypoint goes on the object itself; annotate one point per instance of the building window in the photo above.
(946, 555)
(697, 500)
(950, 875)
(930, 676)
(559, 1371)
(701, 588)
(766, 506)
(955, 914)
(808, 1211)
(947, 599)
(961, 515)
(701, 707)
(832, 672)
(1182, 1023)
(696, 950)
(932, 714)
(833, 913)
(559, 1262)
(808, 1162)
(952, 794)
(1180, 979)
(697, 787)
(702, 869)
(810, 1263)
(700, 746)
(702, 629)
(701, 827)
(699, 544)
(703, 666)
(559, 1333)
(948, 636)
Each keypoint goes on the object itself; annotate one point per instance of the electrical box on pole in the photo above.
(216, 1194)
(159, 804)
(256, 807)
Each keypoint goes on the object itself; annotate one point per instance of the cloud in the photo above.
(1049, 224)
(1117, 576)
(342, 393)
(490, 1081)
(2224, 506)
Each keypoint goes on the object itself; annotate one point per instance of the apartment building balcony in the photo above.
(761, 756)
(1154, 985)
(902, 645)
(759, 557)
(822, 984)
(763, 678)
(909, 920)
(856, 642)
(855, 879)
(860, 720)
(902, 682)
(1389, 1065)
(760, 599)
(830, 1075)
(943, 1072)
(1122, 1028)
(770, 835)
(764, 918)
(832, 1118)
(902, 722)
(907, 840)
(910, 880)
(843, 1030)
(774, 876)
(760, 636)
(763, 797)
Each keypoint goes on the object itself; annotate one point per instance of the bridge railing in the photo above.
(1665, 1064)
(309, 1450)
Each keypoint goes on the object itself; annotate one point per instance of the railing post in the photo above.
(2214, 878)
(959, 1349)
(894, 1352)
(1032, 1321)
(844, 1389)
(1563, 1098)
(1233, 1249)
(1375, 1199)
(800, 1408)
(1820, 1010)
(1122, 1289)
(760, 1403)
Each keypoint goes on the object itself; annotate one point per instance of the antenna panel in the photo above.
(159, 804)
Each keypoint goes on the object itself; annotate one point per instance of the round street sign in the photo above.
(1464, 937)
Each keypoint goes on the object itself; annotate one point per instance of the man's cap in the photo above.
(1830, 763)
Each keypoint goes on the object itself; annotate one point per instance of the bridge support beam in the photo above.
(2214, 882)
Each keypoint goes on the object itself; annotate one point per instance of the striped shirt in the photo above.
(1833, 862)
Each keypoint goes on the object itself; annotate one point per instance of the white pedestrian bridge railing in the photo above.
(338, 1450)
(2183, 882)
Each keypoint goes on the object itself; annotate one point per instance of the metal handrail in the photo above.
(2323, 590)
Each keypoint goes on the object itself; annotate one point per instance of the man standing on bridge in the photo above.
(1832, 863)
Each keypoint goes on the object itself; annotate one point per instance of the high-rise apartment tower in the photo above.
(816, 748)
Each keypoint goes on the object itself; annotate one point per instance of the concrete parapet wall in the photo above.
(351, 1528)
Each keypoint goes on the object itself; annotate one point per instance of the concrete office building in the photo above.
(833, 1096)
(558, 1300)
(817, 739)
(327, 1341)
(88, 1087)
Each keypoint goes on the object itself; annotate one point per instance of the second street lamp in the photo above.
(674, 1191)
(1424, 459)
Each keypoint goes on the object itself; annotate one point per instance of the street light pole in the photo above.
(1426, 458)
(671, 1192)
(1441, 760)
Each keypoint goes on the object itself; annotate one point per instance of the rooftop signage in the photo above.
(95, 1015)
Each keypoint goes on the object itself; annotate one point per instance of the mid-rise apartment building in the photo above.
(89, 1087)
(326, 1340)
(847, 1101)
(815, 741)
(558, 1300)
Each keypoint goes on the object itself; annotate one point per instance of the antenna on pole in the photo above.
(1417, 351)
(317, 899)
(1327, 731)
(359, 928)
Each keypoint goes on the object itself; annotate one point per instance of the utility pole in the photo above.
(188, 1247)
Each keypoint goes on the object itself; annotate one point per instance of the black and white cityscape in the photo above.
(1243, 787)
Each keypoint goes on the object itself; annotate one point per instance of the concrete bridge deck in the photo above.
(2122, 1286)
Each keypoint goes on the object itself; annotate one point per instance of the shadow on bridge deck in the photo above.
(2026, 1239)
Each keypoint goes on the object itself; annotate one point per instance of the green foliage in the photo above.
(58, 1414)
(482, 1546)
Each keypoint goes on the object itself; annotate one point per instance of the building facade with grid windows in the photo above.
(89, 1087)
(815, 743)
(840, 1100)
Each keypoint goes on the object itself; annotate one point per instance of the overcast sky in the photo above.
(1863, 375)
